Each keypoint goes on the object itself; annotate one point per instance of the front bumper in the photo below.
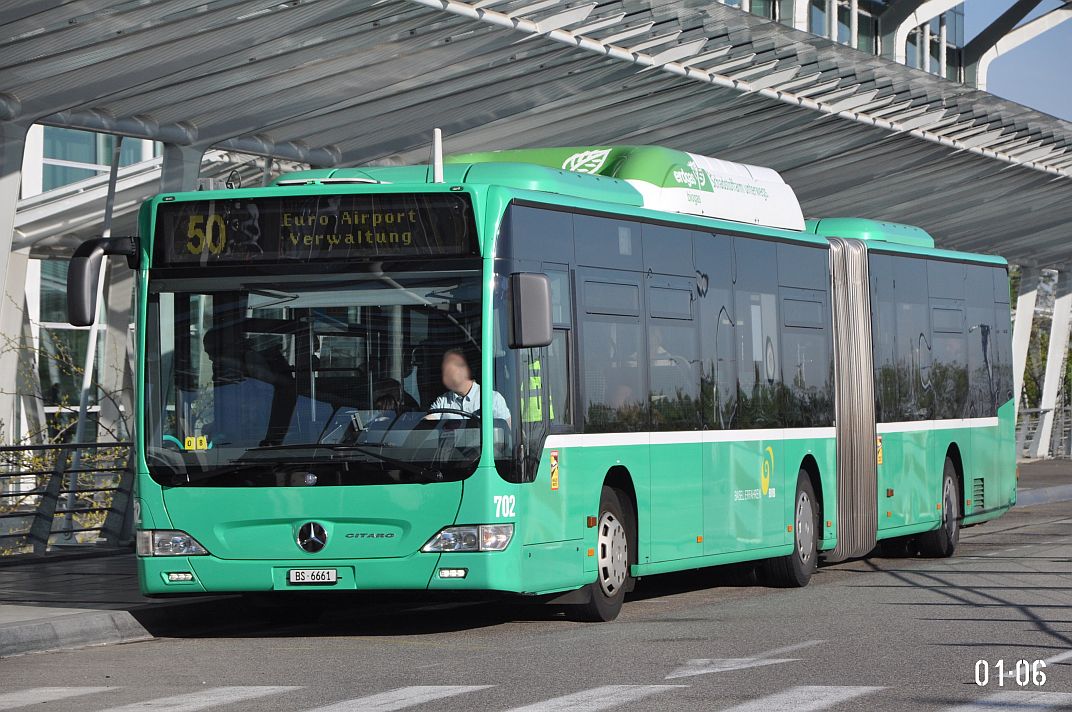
(490, 571)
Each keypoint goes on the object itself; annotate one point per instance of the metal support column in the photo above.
(91, 347)
(1021, 329)
(854, 23)
(116, 405)
(12, 272)
(943, 41)
(1055, 363)
(801, 10)
(925, 47)
(181, 168)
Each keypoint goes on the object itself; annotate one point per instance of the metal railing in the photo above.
(46, 505)
(1027, 431)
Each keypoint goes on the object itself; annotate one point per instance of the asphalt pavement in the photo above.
(873, 634)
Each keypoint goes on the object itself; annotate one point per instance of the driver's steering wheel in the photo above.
(455, 411)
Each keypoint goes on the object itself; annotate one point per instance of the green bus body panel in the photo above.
(862, 229)
(361, 522)
(700, 501)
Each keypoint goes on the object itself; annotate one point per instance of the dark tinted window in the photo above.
(807, 365)
(949, 348)
(612, 298)
(884, 339)
(556, 379)
(670, 303)
(667, 250)
(914, 345)
(981, 342)
(803, 267)
(1002, 338)
(561, 301)
(714, 270)
(536, 234)
(613, 352)
(673, 357)
(605, 242)
(756, 305)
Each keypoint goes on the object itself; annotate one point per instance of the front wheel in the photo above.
(615, 547)
(795, 570)
(942, 542)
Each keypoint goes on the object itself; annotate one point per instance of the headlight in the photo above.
(483, 537)
(168, 542)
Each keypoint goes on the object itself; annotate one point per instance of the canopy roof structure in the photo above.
(337, 82)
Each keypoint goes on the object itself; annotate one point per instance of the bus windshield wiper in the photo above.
(409, 467)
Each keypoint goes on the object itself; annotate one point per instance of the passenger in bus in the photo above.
(463, 393)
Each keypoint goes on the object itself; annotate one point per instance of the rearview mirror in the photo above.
(530, 310)
(84, 272)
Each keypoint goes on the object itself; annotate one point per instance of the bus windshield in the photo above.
(309, 380)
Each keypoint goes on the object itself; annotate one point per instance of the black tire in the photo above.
(942, 542)
(615, 551)
(902, 547)
(795, 570)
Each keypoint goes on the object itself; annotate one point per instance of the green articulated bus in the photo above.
(548, 373)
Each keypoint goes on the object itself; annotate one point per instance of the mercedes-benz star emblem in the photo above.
(312, 537)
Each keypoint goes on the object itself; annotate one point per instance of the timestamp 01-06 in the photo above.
(1022, 673)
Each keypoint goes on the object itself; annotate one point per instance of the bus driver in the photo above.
(463, 393)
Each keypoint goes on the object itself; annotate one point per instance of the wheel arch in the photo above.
(620, 479)
(811, 466)
(952, 453)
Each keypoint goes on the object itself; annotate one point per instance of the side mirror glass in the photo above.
(530, 310)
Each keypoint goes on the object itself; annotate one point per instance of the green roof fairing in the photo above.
(673, 181)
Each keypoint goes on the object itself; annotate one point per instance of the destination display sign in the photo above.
(313, 228)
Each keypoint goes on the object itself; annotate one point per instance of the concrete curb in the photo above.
(1043, 495)
(74, 630)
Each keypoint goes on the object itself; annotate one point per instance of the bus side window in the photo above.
(714, 284)
(756, 304)
(556, 380)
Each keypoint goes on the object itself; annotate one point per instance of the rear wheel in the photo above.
(795, 570)
(615, 552)
(942, 542)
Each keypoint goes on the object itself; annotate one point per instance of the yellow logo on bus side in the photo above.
(765, 471)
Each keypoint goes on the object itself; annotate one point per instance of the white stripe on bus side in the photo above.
(726, 436)
(921, 425)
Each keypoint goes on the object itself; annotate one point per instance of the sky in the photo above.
(1037, 73)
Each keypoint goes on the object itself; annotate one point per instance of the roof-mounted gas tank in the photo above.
(673, 181)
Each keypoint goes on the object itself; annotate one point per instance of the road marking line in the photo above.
(805, 698)
(787, 649)
(702, 666)
(1060, 657)
(38, 695)
(1017, 702)
(212, 697)
(597, 698)
(401, 698)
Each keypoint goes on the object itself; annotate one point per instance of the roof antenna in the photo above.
(437, 156)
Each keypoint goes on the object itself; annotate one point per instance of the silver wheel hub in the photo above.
(805, 525)
(613, 554)
(949, 497)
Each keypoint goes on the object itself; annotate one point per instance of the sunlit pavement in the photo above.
(875, 634)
